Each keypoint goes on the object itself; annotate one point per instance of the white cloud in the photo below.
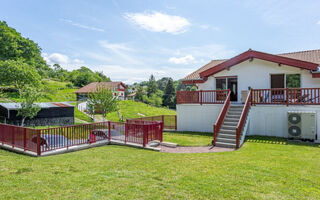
(82, 26)
(159, 22)
(61, 59)
(182, 60)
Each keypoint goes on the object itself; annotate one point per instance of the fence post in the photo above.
(161, 132)
(109, 131)
(175, 122)
(67, 138)
(287, 96)
(24, 139)
(38, 142)
(125, 132)
(144, 135)
(13, 138)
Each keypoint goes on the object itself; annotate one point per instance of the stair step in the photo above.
(223, 135)
(226, 145)
(233, 116)
(227, 127)
(231, 120)
(234, 113)
(235, 123)
(226, 140)
(227, 131)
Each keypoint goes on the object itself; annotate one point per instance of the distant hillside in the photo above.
(132, 109)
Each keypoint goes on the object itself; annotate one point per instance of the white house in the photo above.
(253, 93)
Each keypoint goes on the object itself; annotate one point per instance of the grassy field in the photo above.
(54, 92)
(261, 169)
(188, 138)
(131, 109)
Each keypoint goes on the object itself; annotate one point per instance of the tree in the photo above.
(102, 100)
(169, 94)
(152, 86)
(18, 74)
(139, 93)
(84, 76)
(15, 47)
(28, 107)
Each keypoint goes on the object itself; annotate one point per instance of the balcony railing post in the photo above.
(200, 97)
(287, 96)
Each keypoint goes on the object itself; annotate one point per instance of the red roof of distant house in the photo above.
(309, 60)
(94, 85)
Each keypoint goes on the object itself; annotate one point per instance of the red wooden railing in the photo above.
(243, 118)
(202, 97)
(286, 96)
(220, 119)
(50, 139)
(169, 121)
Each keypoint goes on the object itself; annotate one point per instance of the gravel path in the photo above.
(206, 149)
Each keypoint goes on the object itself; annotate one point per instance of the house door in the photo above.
(231, 83)
(277, 81)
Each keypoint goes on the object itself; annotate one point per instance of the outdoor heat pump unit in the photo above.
(301, 125)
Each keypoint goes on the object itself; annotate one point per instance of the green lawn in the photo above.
(188, 138)
(131, 109)
(261, 169)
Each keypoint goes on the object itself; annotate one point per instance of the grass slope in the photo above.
(261, 169)
(130, 109)
(54, 92)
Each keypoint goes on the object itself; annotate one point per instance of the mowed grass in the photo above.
(261, 169)
(131, 109)
(188, 138)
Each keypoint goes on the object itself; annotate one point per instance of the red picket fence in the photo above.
(286, 96)
(45, 140)
(169, 121)
(202, 97)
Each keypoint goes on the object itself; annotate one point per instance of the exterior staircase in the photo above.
(227, 134)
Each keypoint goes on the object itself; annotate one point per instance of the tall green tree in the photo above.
(15, 47)
(18, 74)
(28, 107)
(102, 100)
(152, 86)
(169, 94)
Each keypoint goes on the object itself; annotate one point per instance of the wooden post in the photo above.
(175, 122)
(24, 139)
(38, 142)
(109, 130)
(200, 97)
(287, 96)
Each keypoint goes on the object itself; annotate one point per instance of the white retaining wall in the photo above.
(195, 117)
(265, 120)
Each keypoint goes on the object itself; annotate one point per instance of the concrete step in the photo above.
(233, 116)
(227, 127)
(235, 123)
(231, 120)
(226, 140)
(226, 145)
(223, 135)
(226, 131)
(234, 112)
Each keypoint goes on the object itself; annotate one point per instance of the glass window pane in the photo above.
(293, 81)
(221, 84)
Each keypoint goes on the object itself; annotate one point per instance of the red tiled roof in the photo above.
(94, 85)
(312, 56)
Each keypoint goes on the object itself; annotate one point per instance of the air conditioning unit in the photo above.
(302, 125)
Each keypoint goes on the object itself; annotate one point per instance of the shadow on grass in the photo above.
(278, 140)
(189, 133)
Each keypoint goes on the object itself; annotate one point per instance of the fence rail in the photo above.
(286, 96)
(50, 139)
(169, 121)
(202, 97)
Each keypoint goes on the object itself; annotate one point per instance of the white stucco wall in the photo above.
(271, 120)
(265, 120)
(256, 74)
(199, 118)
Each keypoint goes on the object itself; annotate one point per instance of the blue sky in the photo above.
(129, 40)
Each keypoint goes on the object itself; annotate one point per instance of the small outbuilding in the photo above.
(51, 114)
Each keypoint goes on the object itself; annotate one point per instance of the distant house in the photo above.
(117, 89)
(51, 114)
(131, 96)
